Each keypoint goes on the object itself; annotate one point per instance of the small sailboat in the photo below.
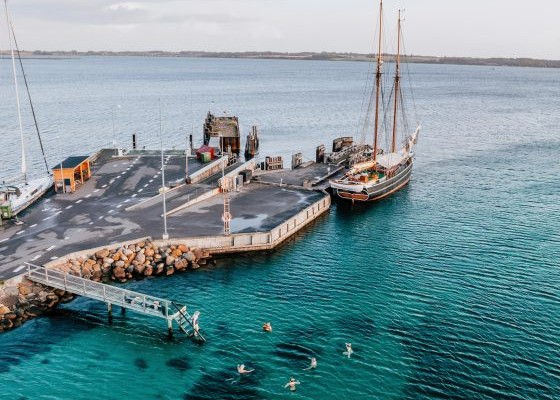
(18, 194)
(388, 170)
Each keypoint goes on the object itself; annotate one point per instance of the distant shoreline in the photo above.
(324, 56)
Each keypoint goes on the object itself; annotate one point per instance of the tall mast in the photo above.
(23, 162)
(378, 82)
(397, 81)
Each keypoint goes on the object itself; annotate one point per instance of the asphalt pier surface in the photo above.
(122, 202)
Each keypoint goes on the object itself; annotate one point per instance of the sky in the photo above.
(472, 28)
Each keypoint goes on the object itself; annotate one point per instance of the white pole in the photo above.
(23, 162)
(165, 234)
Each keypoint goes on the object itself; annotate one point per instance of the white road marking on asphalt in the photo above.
(70, 206)
(134, 195)
(155, 176)
(139, 190)
(50, 248)
(126, 201)
(79, 201)
(54, 257)
(67, 237)
(36, 257)
(33, 226)
(20, 232)
(146, 185)
(111, 181)
(3, 240)
(104, 186)
(91, 223)
(151, 180)
(88, 196)
(119, 205)
(128, 169)
(96, 190)
(124, 172)
(100, 217)
(19, 268)
(58, 212)
(110, 211)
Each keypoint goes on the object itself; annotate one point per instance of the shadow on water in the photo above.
(180, 364)
(23, 343)
(465, 367)
(140, 363)
(226, 385)
(357, 325)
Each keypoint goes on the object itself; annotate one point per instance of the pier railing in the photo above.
(127, 299)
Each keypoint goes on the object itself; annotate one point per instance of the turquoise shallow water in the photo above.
(449, 289)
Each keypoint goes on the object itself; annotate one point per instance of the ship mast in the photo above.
(23, 161)
(397, 81)
(378, 82)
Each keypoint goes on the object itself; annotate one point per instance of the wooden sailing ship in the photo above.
(388, 170)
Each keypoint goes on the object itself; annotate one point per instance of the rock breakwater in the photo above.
(21, 299)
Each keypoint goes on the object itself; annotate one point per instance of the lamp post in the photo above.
(165, 234)
(113, 125)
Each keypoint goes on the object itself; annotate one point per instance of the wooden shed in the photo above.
(71, 172)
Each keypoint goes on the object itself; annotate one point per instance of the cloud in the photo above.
(106, 12)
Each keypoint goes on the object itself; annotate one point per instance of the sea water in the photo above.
(448, 289)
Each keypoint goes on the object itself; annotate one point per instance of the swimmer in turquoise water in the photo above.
(349, 350)
(292, 384)
(241, 369)
(313, 364)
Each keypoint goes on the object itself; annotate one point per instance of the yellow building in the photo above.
(70, 173)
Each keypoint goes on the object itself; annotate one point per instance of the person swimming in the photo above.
(241, 369)
(349, 350)
(267, 327)
(292, 384)
(313, 364)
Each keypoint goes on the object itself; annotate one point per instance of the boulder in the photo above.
(108, 260)
(4, 310)
(139, 269)
(117, 256)
(10, 315)
(183, 248)
(149, 252)
(87, 272)
(169, 260)
(102, 253)
(148, 271)
(169, 270)
(180, 264)
(140, 257)
(160, 267)
(24, 289)
(189, 256)
(176, 253)
(195, 265)
(119, 272)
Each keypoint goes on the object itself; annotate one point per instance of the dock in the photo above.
(137, 302)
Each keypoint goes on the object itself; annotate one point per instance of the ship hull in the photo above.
(379, 190)
(31, 193)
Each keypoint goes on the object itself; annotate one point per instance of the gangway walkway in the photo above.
(127, 299)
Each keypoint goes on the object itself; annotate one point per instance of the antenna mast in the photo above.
(397, 88)
(378, 82)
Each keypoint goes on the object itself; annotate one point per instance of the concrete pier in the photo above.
(121, 203)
